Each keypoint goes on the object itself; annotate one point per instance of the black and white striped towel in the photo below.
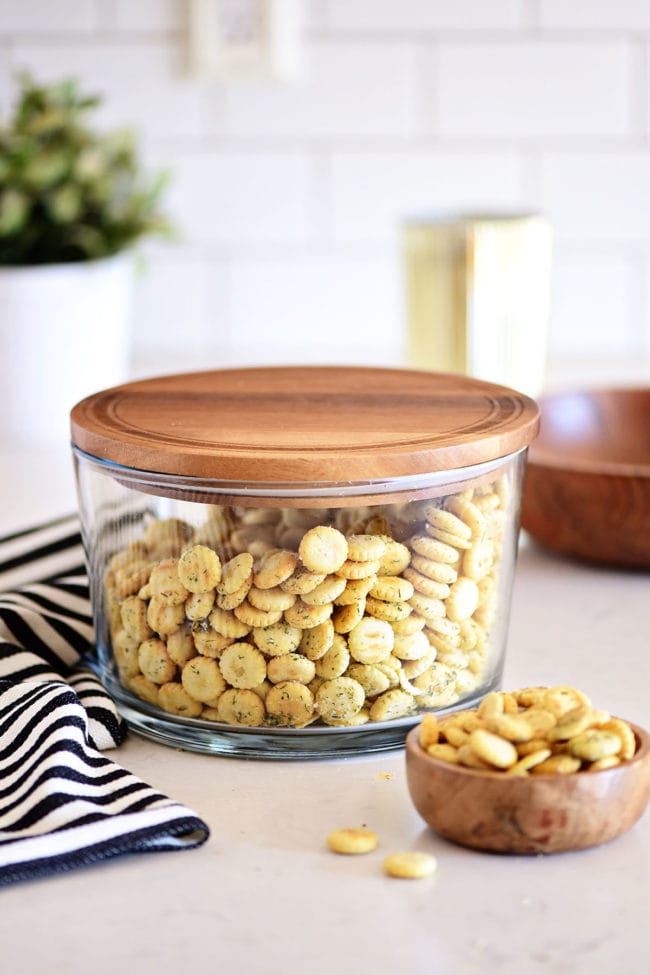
(63, 804)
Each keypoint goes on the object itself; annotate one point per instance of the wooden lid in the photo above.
(304, 424)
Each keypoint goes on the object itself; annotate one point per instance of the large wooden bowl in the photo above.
(587, 491)
(532, 814)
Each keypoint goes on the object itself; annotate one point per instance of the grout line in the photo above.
(347, 251)
(531, 163)
(404, 144)
(104, 16)
(530, 28)
(638, 309)
(426, 83)
(531, 17)
(105, 27)
(638, 82)
(573, 249)
(316, 24)
(100, 35)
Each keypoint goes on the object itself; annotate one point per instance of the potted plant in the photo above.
(72, 203)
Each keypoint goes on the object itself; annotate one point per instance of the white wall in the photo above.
(289, 198)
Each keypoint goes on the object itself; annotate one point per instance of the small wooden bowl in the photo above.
(587, 491)
(532, 814)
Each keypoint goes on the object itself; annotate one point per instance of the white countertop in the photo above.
(264, 895)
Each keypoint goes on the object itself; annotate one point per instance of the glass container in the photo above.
(293, 562)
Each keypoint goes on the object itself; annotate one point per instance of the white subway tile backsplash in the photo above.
(593, 309)
(46, 16)
(644, 319)
(531, 89)
(602, 197)
(150, 15)
(225, 197)
(170, 307)
(142, 81)
(595, 14)
(419, 15)
(372, 193)
(289, 198)
(317, 310)
(349, 90)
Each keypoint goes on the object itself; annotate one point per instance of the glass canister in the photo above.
(478, 291)
(291, 562)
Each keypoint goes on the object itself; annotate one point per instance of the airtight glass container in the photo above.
(293, 562)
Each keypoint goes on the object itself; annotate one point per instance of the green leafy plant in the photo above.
(68, 193)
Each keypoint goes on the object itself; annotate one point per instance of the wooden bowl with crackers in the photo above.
(587, 491)
(528, 812)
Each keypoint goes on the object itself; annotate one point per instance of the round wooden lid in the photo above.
(304, 424)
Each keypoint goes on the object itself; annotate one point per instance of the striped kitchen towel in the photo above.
(63, 803)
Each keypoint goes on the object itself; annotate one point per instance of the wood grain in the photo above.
(304, 424)
(587, 491)
(536, 814)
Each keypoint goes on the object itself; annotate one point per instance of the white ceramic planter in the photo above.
(64, 333)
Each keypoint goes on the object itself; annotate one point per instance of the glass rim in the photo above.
(231, 490)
